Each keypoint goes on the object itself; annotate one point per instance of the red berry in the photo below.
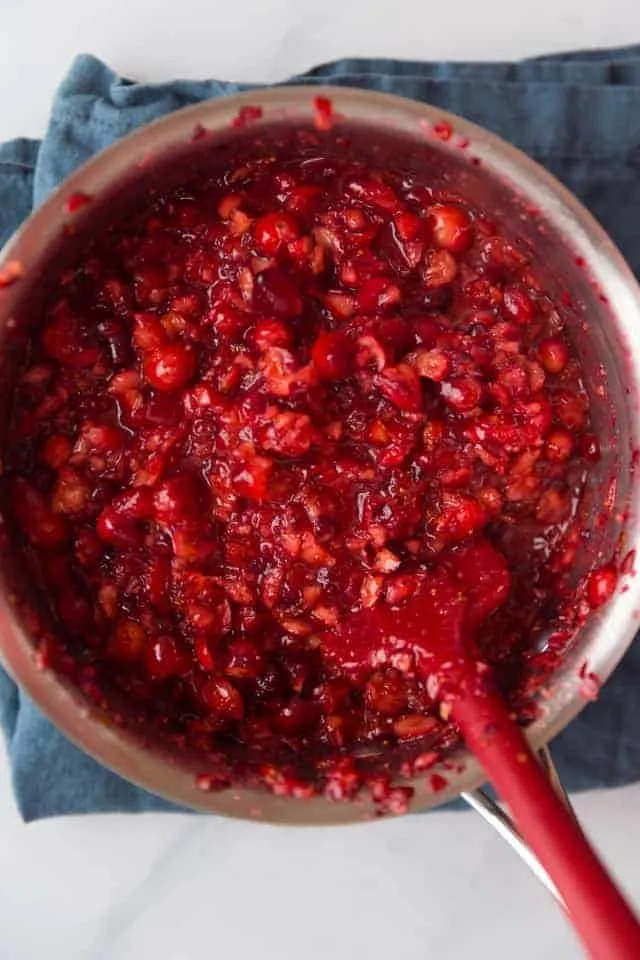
(440, 268)
(401, 386)
(274, 231)
(459, 517)
(559, 446)
(451, 227)
(57, 450)
(554, 355)
(271, 333)
(148, 332)
(324, 113)
(432, 364)
(127, 644)
(222, 699)
(170, 367)
(178, 498)
(374, 193)
(375, 294)
(518, 305)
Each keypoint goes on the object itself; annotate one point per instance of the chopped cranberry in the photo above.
(601, 585)
(462, 394)
(374, 193)
(414, 725)
(518, 305)
(164, 658)
(148, 332)
(287, 433)
(57, 450)
(443, 130)
(459, 517)
(178, 498)
(331, 355)
(408, 226)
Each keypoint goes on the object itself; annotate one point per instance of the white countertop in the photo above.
(178, 887)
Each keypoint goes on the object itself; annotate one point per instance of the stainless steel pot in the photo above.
(532, 204)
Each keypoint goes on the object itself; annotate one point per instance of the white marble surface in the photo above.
(185, 888)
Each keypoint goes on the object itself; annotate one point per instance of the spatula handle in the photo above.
(601, 916)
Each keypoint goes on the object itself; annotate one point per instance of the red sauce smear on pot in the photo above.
(272, 424)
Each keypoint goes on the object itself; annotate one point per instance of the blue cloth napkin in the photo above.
(578, 114)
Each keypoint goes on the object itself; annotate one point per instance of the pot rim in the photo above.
(116, 749)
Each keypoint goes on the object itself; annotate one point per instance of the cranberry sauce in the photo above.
(262, 415)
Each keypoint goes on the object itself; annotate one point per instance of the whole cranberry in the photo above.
(559, 446)
(165, 657)
(222, 699)
(274, 231)
(244, 659)
(170, 367)
(451, 227)
(374, 193)
(178, 498)
(462, 393)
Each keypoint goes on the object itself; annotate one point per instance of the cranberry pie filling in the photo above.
(269, 426)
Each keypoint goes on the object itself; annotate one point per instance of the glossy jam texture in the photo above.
(268, 406)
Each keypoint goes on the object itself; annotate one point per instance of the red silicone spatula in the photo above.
(436, 624)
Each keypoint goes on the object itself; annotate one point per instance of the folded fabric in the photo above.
(578, 114)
